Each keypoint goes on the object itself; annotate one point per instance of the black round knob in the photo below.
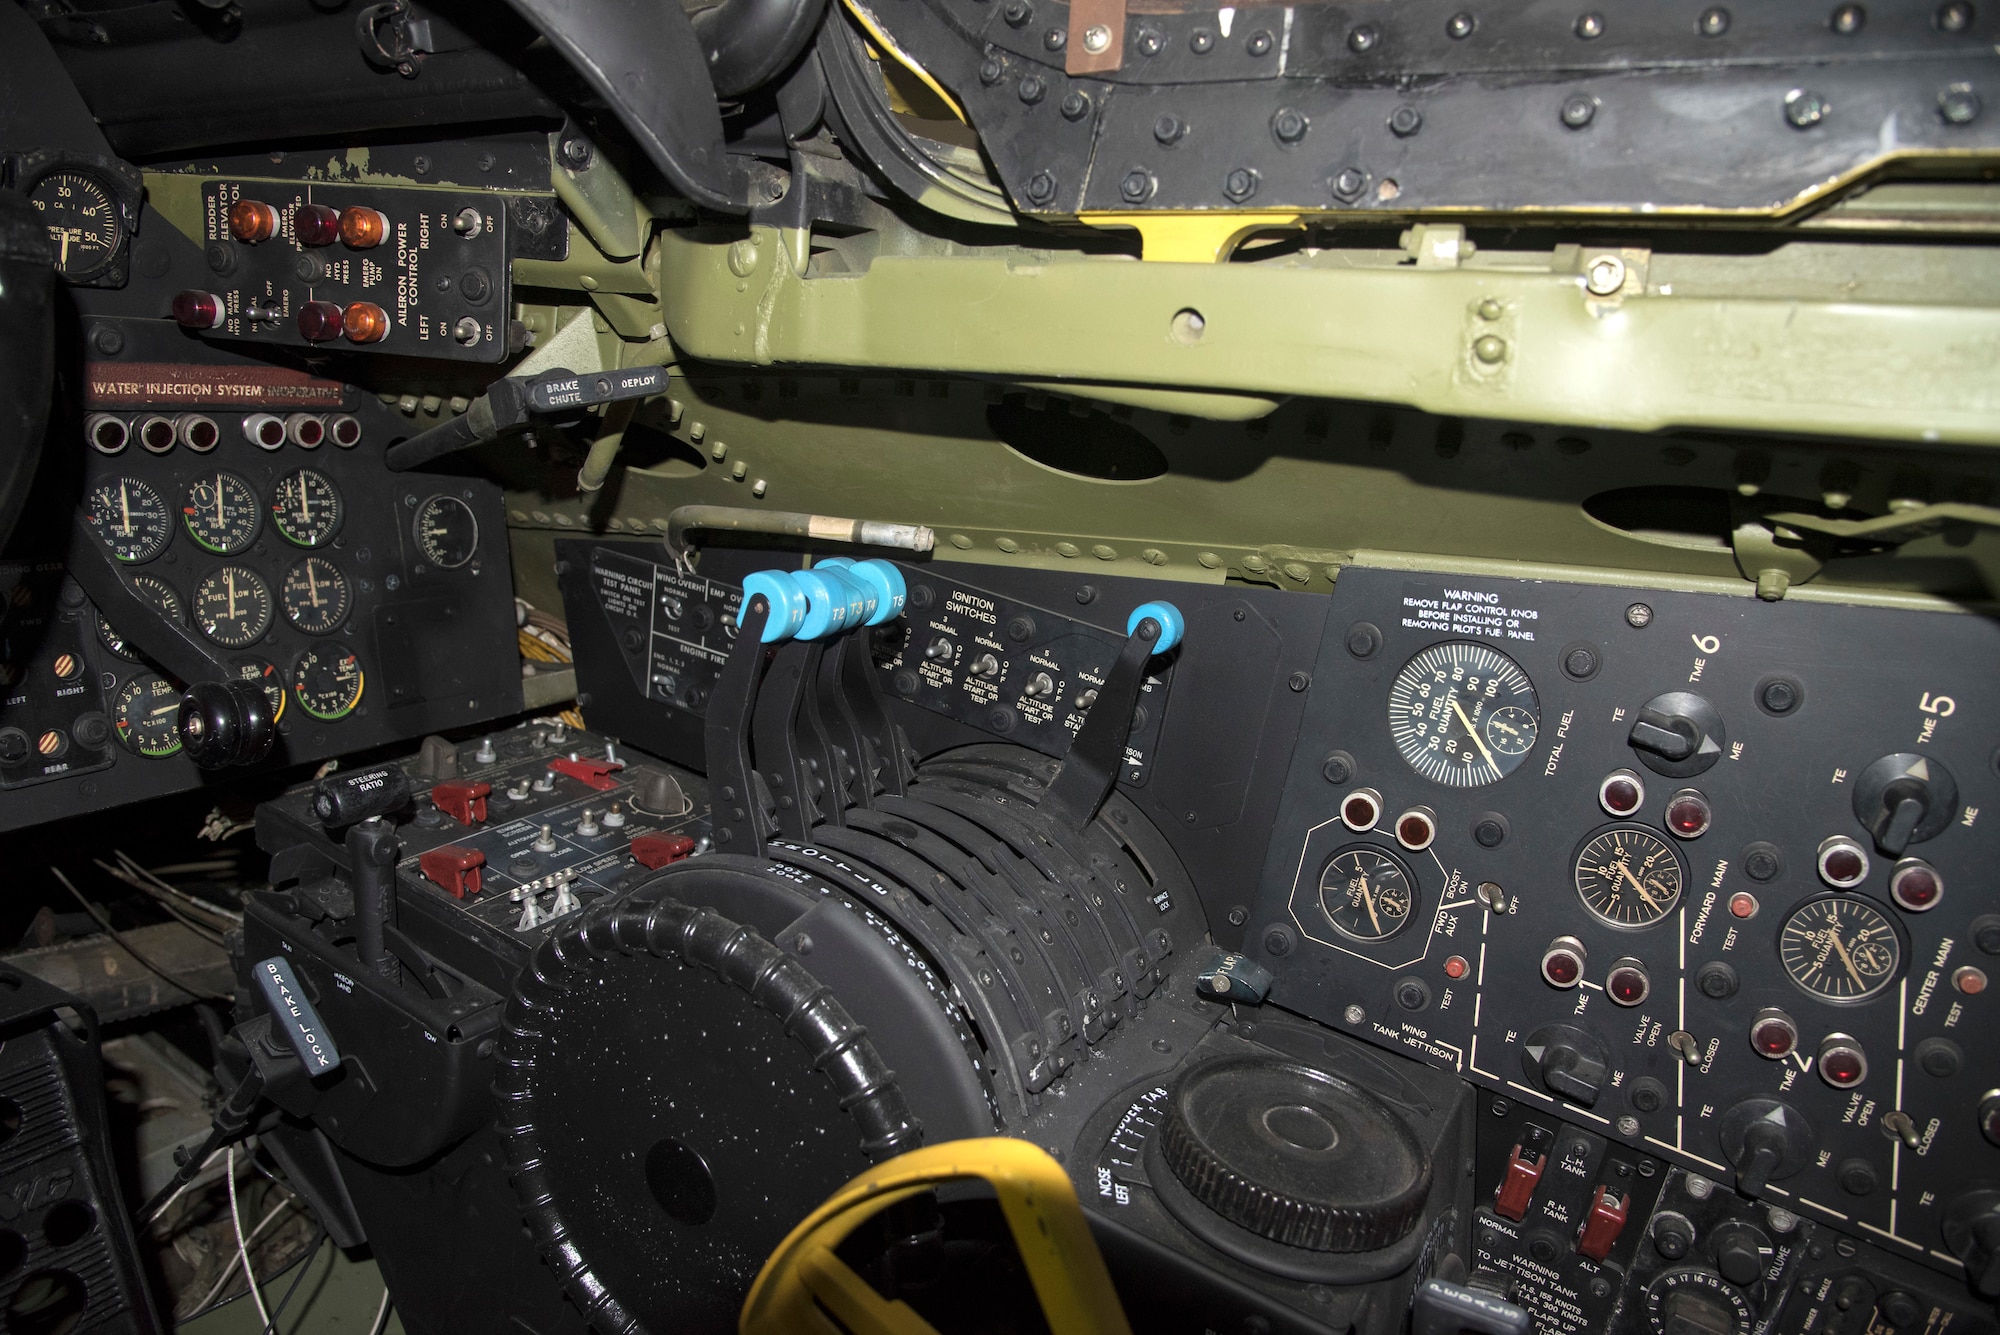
(1854, 1294)
(91, 730)
(1764, 1139)
(1295, 1155)
(1905, 799)
(1678, 734)
(13, 746)
(1899, 1309)
(1566, 1062)
(225, 723)
(1673, 1234)
(1741, 1253)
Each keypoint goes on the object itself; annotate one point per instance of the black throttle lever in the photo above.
(1096, 755)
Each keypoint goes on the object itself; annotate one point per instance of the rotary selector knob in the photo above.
(1905, 799)
(1741, 1253)
(1295, 1155)
(1972, 1231)
(1694, 1301)
(1764, 1139)
(1678, 734)
(1566, 1062)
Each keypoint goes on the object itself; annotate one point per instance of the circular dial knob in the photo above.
(1295, 1155)
(1905, 799)
(1678, 734)
(1972, 1231)
(1741, 1253)
(1695, 1302)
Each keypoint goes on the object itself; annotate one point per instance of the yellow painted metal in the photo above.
(885, 43)
(1198, 237)
(804, 1280)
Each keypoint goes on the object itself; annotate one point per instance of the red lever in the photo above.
(596, 773)
(1603, 1224)
(654, 851)
(1518, 1188)
(464, 802)
(453, 869)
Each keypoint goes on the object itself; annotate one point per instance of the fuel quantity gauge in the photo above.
(1628, 876)
(1840, 948)
(1367, 893)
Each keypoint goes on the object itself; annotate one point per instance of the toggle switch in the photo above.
(1604, 1222)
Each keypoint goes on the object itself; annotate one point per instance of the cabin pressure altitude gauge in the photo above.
(1464, 714)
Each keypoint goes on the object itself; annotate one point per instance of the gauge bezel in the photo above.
(121, 228)
(340, 580)
(297, 686)
(1401, 866)
(154, 548)
(263, 592)
(177, 605)
(1487, 766)
(224, 480)
(1638, 830)
(119, 702)
(424, 546)
(279, 523)
(1845, 900)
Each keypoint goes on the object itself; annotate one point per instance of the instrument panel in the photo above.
(1701, 874)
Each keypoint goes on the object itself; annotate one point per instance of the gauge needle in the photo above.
(1626, 872)
(1368, 901)
(1473, 732)
(1840, 948)
(63, 262)
(218, 500)
(312, 583)
(165, 709)
(125, 508)
(230, 579)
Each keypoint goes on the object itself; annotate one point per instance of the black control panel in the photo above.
(250, 506)
(1705, 876)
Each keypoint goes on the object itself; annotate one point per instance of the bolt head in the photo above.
(1847, 19)
(1041, 188)
(1605, 275)
(1240, 184)
(1201, 41)
(1805, 108)
(1954, 16)
(577, 152)
(990, 71)
(1017, 13)
(1405, 121)
(1713, 22)
(1958, 104)
(1032, 89)
(1491, 309)
(1075, 105)
(1350, 183)
(1096, 38)
(1590, 26)
(1638, 616)
(1168, 129)
(1459, 26)
(1137, 186)
(1151, 43)
(1579, 110)
(1055, 39)
(1259, 43)
(1490, 349)
(1362, 38)
(1289, 126)
(1278, 941)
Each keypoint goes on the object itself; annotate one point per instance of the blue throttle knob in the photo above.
(834, 602)
(788, 602)
(1172, 624)
(881, 578)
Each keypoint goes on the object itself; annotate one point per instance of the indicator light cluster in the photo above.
(1361, 811)
(357, 226)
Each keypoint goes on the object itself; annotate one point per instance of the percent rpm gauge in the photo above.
(1840, 948)
(1629, 877)
(130, 518)
(1464, 714)
(306, 508)
(1368, 894)
(220, 511)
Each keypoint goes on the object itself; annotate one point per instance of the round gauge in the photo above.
(1463, 714)
(315, 595)
(265, 673)
(327, 679)
(1367, 893)
(447, 532)
(306, 508)
(160, 596)
(82, 218)
(1697, 1298)
(1629, 876)
(233, 607)
(147, 716)
(115, 642)
(129, 517)
(221, 512)
(1840, 948)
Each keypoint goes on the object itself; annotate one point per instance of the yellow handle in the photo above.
(804, 1281)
